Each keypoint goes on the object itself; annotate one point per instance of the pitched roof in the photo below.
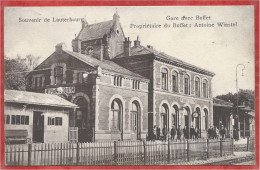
(95, 31)
(106, 65)
(221, 103)
(141, 50)
(25, 97)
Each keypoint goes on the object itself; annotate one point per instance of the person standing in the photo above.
(192, 133)
(185, 132)
(173, 132)
(158, 131)
(222, 132)
(179, 133)
(197, 133)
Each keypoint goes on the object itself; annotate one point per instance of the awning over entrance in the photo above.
(221, 103)
(25, 97)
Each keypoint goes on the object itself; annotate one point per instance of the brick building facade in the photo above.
(124, 90)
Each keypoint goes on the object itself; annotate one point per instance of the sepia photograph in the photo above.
(129, 85)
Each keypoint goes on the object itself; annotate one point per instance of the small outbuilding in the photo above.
(36, 117)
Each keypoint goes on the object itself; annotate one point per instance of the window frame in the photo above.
(164, 78)
(58, 75)
(175, 85)
(186, 88)
(116, 115)
(205, 88)
(197, 91)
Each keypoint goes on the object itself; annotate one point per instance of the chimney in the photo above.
(137, 42)
(76, 45)
(127, 47)
(59, 48)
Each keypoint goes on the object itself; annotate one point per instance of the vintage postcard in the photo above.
(130, 84)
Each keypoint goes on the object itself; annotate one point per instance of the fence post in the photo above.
(207, 148)
(232, 142)
(247, 144)
(220, 147)
(169, 151)
(188, 151)
(61, 154)
(29, 154)
(115, 153)
(145, 156)
(77, 154)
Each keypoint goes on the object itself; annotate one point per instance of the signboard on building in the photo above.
(60, 90)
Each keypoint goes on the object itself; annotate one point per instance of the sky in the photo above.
(218, 49)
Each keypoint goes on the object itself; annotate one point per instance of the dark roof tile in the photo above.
(105, 65)
(95, 31)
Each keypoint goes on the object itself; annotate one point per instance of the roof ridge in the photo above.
(108, 62)
(98, 23)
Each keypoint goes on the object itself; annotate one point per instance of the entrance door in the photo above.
(38, 127)
(82, 121)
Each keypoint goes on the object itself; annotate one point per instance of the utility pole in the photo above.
(238, 124)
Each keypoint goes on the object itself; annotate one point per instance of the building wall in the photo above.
(50, 132)
(180, 99)
(107, 92)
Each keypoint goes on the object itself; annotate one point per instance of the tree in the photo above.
(16, 70)
(245, 97)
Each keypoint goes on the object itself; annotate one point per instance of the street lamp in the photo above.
(237, 97)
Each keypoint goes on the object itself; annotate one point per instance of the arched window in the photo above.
(58, 75)
(134, 116)
(164, 79)
(89, 50)
(164, 116)
(197, 87)
(175, 81)
(205, 88)
(116, 108)
(186, 84)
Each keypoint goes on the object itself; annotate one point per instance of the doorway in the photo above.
(38, 127)
(83, 121)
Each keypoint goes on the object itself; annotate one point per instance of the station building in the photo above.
(124, 89)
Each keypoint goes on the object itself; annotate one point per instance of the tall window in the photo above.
(186, 84)
(117, 81)
(80, 77)
(175, 81)
(134, 115)
(164, 116)
(58, 75)
(205, 88)
(206, 119)
(136, 84)
(197, 87)
(116, 109)
(164, 79)
(7, 119)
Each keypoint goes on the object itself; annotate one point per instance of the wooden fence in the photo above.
(250, 144)
(115, 152)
